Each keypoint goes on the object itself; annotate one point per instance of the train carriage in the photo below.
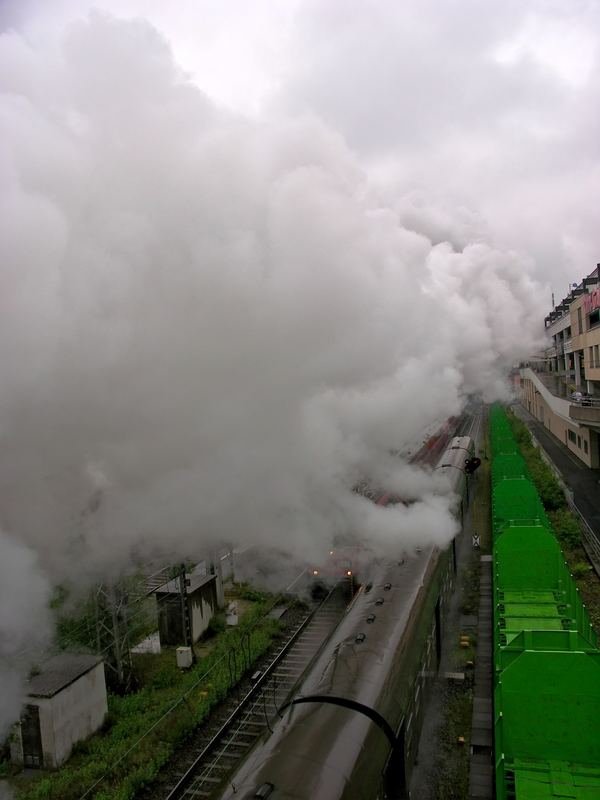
(351, 729)
(546, 660)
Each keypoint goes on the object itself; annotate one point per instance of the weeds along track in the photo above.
(202, 765)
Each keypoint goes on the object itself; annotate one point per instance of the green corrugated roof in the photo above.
(547, 702)
(529, 597)
(527, 558)
(548, 623)
(556, 783)
(508, 466)
(505, 445)
(516, 500)
(531, 610)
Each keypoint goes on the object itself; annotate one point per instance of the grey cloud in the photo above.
(405, 77)
(418, 90)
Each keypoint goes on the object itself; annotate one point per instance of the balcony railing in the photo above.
(565, 346)
(564, 388)
(586, 401)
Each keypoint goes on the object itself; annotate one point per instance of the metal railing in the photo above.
(588, 537)
(585, 401)
(560, 385)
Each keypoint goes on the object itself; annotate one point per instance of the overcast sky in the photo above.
(490, 108)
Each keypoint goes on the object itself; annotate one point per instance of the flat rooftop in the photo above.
(60, 671)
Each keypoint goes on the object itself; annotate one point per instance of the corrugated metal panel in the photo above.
(60, 671)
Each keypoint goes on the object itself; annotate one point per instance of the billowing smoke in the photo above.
(210, 328)
(24, 622)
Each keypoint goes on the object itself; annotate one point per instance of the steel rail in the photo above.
(190, 774)
(589, 539)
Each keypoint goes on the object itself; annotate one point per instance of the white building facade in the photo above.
(66, 702)
(561, 386)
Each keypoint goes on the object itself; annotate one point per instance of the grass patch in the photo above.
(143, 728)
(6, 768)
(155, 671)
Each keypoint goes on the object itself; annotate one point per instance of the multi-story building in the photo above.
(561, 386)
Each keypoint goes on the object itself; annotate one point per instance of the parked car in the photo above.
(583, 398)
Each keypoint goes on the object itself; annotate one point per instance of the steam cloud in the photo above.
(25, 623)
(210, 328)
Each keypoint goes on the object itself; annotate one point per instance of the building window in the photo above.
(585, 446)
(594, 319)
(579, 442)
(580, 320)
(572, 437)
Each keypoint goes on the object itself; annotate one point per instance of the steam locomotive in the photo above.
(351, 729)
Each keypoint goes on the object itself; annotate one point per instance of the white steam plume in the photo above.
(208, 327)
(24, 623)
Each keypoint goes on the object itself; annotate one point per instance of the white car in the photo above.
(581, 397)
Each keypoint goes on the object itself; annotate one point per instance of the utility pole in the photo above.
(215, 568)
(112, 635)
(186, 627)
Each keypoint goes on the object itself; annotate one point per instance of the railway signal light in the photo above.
(471, 464)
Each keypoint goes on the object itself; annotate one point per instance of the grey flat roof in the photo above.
(60, 671)
(193, 583)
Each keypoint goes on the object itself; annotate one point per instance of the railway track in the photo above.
(216, 750)
(240, 723)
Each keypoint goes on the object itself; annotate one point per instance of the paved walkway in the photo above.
(581, 480)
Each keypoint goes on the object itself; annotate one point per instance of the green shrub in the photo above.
(566, 527)
(119, 760)
(248, 593)
(166, 676)
(521, 433)
(580, 569)
(550, 491)
(216, 625)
